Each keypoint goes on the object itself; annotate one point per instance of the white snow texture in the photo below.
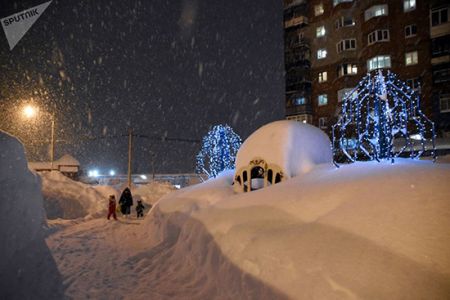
(295, 147)
(364, 231)
(24, 255)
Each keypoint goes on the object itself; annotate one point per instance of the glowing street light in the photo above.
(30, 111)
(93, 173)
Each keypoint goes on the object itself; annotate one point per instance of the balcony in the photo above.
(296, 21)
(298, 85)
(439, 30)
(299, 109)
(294, 3)
(299, 64)
(440, 60)
(299, 42)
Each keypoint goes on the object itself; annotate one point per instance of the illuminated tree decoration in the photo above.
(218, 151)
(381, 119)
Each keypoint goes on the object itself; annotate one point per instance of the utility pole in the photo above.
(52, 145)
(130, 154)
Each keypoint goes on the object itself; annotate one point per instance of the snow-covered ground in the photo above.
(366, 230)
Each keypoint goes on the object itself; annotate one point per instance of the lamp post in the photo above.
(29, 111)
(52, 145)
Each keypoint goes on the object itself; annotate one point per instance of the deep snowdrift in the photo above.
(366, 230)
(150, 193)
(25, 257)
(295, 147)
(68, 199)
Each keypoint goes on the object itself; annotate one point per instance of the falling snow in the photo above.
(166, 66)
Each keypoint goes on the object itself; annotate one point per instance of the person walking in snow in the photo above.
(139, 209)
(112, 207)
(126, 201)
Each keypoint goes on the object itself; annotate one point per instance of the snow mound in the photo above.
(68, 199)
(295, 147)
(365, 230)
(150, 193)
(24, 255)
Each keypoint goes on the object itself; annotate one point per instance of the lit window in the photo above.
(410, 30)
(444, 101)
(299, 101)
(439, 16)
(344, 22)
(322, 99)
(376, 11)
(321, 53)
(345, 45)
(343, 93)
(336, 2)
(409, 5)
(320, 31)
(318, 9)
(378, 36)
(411, 58)
(323, 122)
(347, 69)
(378, 62)
(323, 76)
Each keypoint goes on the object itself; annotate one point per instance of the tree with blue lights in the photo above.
(381, 119)
(218, 151)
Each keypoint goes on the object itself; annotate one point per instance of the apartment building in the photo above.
(331, 44)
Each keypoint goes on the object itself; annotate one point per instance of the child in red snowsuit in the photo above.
(112, 207)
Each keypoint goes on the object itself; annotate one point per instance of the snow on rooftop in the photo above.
(67, 160)
(295, 147)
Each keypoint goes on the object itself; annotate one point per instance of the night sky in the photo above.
(165, 68)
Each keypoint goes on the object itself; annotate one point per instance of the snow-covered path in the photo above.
(92, 257)
(101, 259)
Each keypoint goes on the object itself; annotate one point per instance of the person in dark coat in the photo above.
(139, 209)
(112, 207)
(126, 201)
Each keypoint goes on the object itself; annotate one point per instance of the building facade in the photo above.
(331, 44)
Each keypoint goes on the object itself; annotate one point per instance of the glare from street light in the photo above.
(29, 111)
(93, 173)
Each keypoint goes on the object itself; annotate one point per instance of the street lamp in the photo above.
(29, 111)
